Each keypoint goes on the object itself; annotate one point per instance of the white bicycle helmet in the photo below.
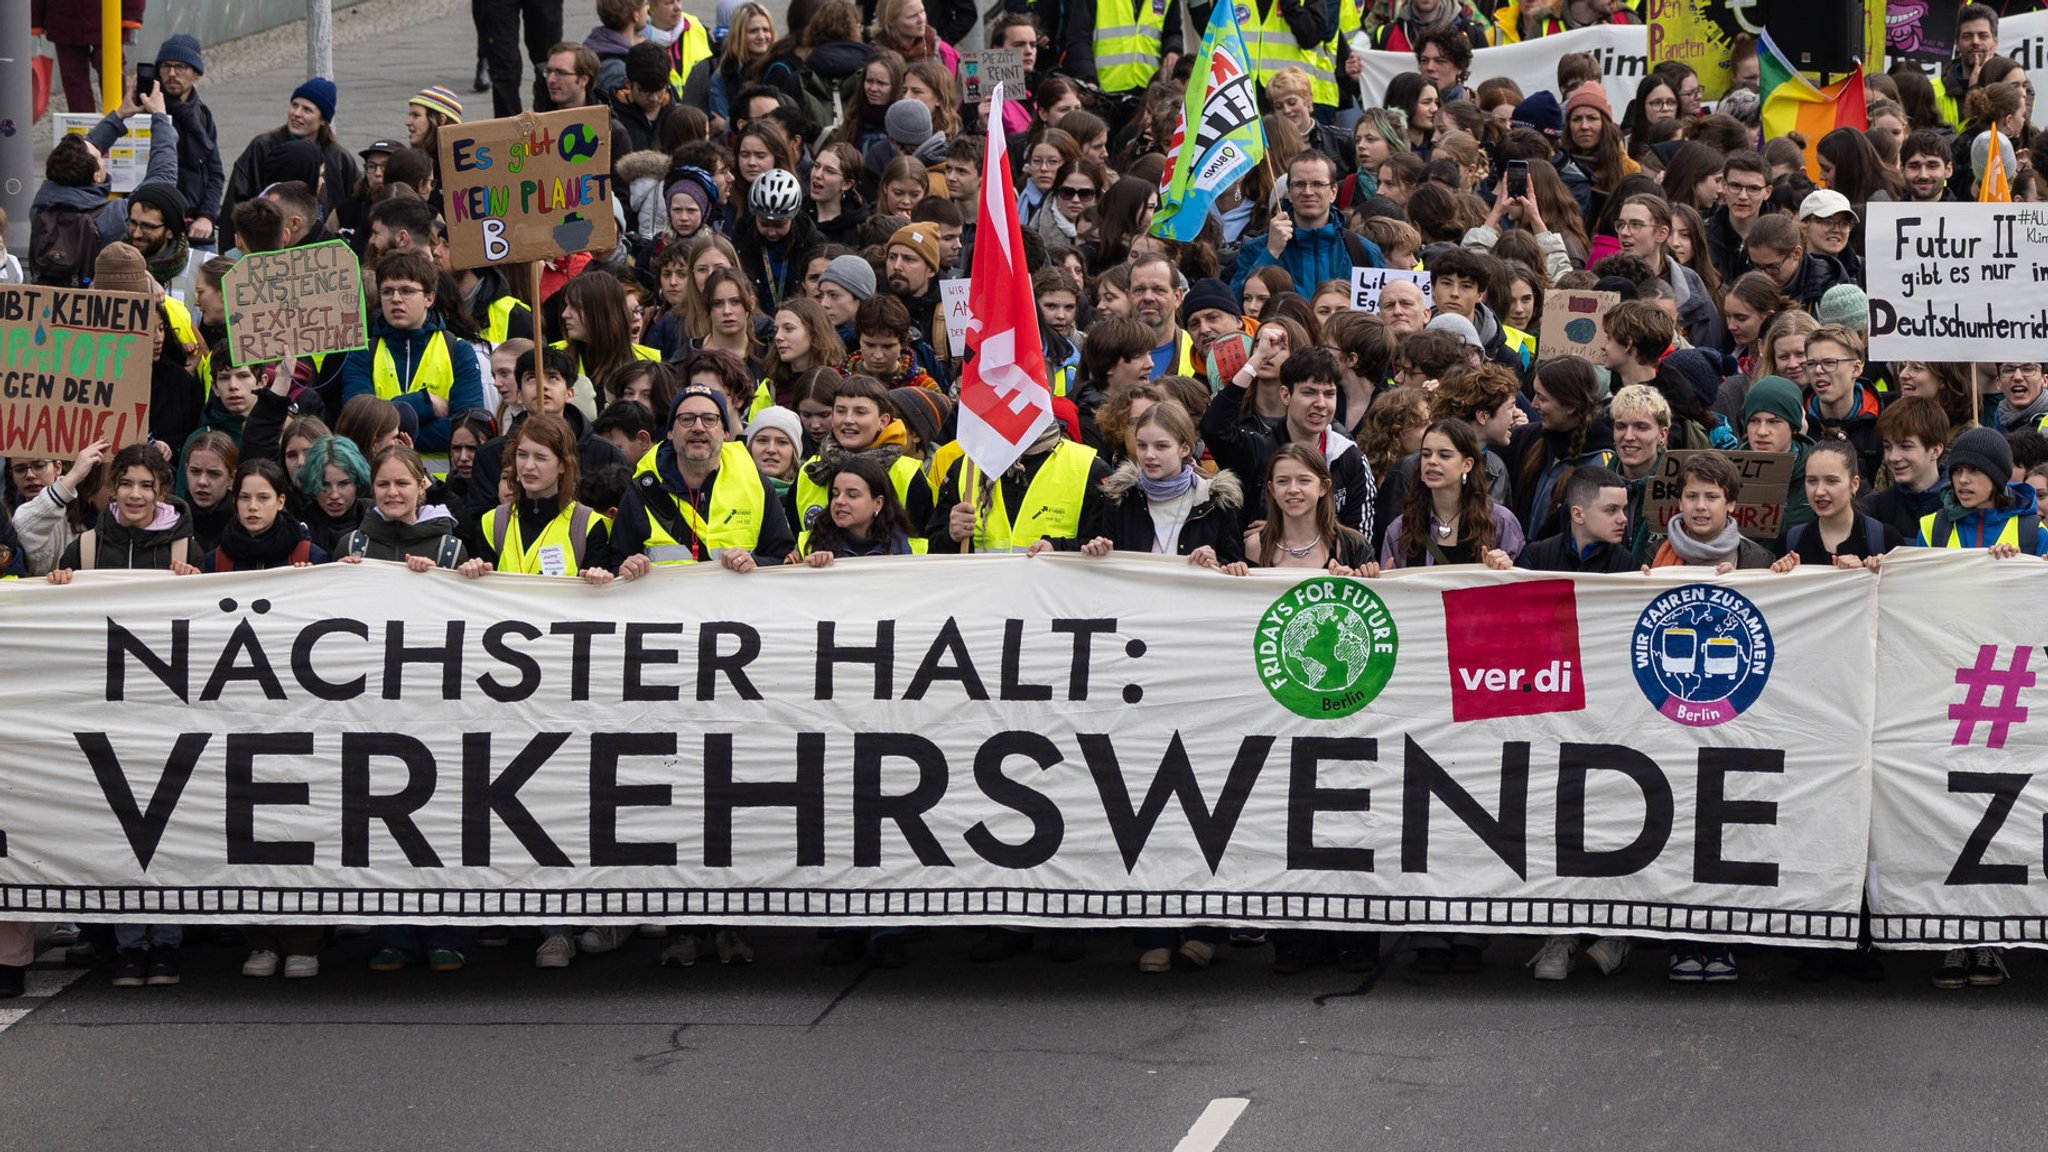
(775, 195)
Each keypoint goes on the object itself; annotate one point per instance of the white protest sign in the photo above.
(1957, 281)
(1622, 49)
(1367, 282)
(1959, 801)
(2024, 40)
(1082, 741)
(128, 159)
(953, 298)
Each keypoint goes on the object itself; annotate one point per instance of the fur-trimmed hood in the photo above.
(1223, 489)
(643, 166)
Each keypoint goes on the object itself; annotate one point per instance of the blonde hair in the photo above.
(1640, 400)
(1290, 79)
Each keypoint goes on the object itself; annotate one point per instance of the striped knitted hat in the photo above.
(439, 99)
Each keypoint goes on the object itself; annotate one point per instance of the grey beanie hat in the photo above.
(852, 273)
(909, 122)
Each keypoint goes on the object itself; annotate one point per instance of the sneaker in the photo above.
(604, 939)
(1609, 954)
(1247, 937)
(999, 944)
(131, 968)
(1156, 960)
(1687, 966)
(444, 960)
(1718, 967)
(387, 960)
(1468, 958)
(681, 952)
(301, 967)
(1553, 961)
(889, 951)
(733, 947)
(261, 963)
(1987, 967)
(63, 934)
(1197, 952)
(163, 967)
(652, 931)
(1954, 970)
(554, 952)
(493, 936)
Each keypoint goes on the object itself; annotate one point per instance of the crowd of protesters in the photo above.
(759, 372)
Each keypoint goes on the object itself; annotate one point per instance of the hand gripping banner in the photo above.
(980, 740)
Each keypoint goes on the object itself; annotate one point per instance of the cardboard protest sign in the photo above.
(1367, 282)
(1957, 281)
(74, 368)
(528, 187)
(297, 302)
(981, 71)
(1571, 322)
(953, 297)
(1759, 512)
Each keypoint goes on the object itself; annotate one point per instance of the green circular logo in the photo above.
(1326, 647)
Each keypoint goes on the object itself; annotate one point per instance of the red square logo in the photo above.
(1514, 650)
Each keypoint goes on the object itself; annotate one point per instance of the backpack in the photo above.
(63, 244)
(579, 530)
(445, 556)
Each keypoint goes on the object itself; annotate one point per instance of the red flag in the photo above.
(1004, 401)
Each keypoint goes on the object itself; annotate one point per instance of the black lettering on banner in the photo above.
(258, 672)
(723, 794)
(1047, 825)
(580, 632)
(947, 645)
(1716, 812)
(1575, 763)
(881, 656)
(174, 673)
(144, 828)
(484, 797)
(447, 654)
(359, 805)
(711, 664)
(638, 654)
(1013, 687)
(806, 794)
(1306, 798)
(1507, 835)
(495, 644)
(870, 807)
(245, 794)
(1175, 779)
(2004, 788)
(1084, 632)
(302, 659)
(607, 796)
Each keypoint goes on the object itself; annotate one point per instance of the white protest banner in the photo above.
(2024, 40)
(1956, 812)
(1957, 281)
(1123, 740)
(1367, 282)
(128, 159)
(953, 298)
(1623, 52)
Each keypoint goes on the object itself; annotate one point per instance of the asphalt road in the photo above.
(944, 1055)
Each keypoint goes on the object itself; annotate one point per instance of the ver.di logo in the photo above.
(1326, 648)
(1701, 654)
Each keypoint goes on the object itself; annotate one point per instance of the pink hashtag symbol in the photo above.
(1981, 677)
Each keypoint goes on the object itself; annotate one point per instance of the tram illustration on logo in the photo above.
(1701, 654)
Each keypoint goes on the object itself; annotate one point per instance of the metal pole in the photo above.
(110, 55)
(320, 38)
(17, 120)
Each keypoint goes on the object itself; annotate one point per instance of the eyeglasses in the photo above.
(1632, 226)
(2019, 369)
(1077, 193)
(699, 419)
(400, 291)
(1042, 162)
(1771, 267)
(475, 418)
(1828, 364)
(1735, 189)
(562, 73)
(1310, 185)
(1667, 102)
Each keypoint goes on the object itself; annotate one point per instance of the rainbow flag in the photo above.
(1793, 104)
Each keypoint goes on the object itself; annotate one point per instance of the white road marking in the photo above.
(1213, 1124)
(43, 983)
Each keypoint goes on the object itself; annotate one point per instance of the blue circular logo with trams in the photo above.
(1701, 654)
